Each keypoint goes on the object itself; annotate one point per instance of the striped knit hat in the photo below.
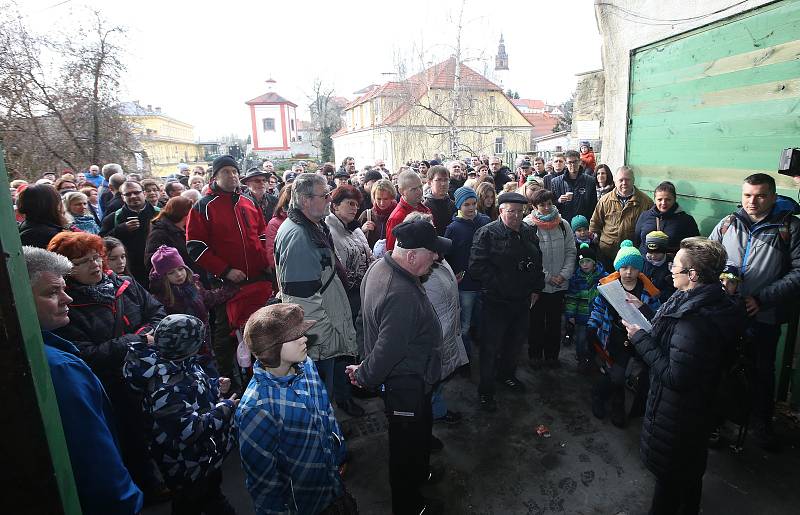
(628, 255)
(657, 241)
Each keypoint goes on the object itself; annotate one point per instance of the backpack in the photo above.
(784, 232)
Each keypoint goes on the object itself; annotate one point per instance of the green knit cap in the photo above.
(628, 255)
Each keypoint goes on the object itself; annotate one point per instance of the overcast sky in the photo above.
(201, 60)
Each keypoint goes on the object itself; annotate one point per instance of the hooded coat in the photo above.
(684, 351)
(675, 223)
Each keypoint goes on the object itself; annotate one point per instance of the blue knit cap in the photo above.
(579, 221)
(462, 194)
(628, 255)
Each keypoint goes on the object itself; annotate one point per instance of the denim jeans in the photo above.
(438, 404)
(325, 367)
(470, 303)
(581, 343)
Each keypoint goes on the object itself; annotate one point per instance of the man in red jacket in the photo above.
(410, 186)
(226, 236)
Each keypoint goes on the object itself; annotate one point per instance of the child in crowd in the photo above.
(614, 348)
(191, 424)
(116, 256)
(76, 205)
(580, 226)
(730, 280)
(180, 291)
(580, 297)
(289, 441)
(656, 265)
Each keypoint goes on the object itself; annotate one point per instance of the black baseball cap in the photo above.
(341, 174)
(420, 235)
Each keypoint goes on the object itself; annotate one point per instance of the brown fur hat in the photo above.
(270, 327)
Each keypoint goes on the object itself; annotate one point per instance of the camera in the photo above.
(790, 162)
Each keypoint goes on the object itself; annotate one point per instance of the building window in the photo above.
(269, 124)
(291, 125)
(299, 138)
(498, 146)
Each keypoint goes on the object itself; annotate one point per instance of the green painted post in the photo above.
(33, 444)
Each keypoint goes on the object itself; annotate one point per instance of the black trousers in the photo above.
(225, 349)
(195, 498)
(763, 349)
(409, 458)
(544, 333)
(504, 327)
(674, 496)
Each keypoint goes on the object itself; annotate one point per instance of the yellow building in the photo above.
(432, 113)
(164, 141)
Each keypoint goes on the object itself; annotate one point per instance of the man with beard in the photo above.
(402, 347)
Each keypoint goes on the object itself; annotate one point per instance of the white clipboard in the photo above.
(616, 296)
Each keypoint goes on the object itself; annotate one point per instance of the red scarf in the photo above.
(384, 213)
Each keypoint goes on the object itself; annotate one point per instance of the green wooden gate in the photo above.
(709, 107)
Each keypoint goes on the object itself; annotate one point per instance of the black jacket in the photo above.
(164, 232)
(134, 241)
(500, 178)
(676, 223)
(584, 193)
(507, 263)
(37, 234)
(442, 210)
(690, 335)
(92, 322)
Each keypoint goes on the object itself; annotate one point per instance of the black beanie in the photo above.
(221, 162)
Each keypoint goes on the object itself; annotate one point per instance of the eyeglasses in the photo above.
(326, 196)
(572, 162)
(96, 258)
(671, 266)
(132, 193)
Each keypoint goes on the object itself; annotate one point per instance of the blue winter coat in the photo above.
(461, 231)
(104, 484)
(191, 428)
(581, 293)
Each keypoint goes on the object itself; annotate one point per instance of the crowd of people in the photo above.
(227, 307)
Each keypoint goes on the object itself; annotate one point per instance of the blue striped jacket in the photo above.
(289, 441)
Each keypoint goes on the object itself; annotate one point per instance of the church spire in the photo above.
(501, 60)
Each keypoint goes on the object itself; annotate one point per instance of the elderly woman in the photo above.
(76, 205)
(44, 215)
(684, 350)
(373, 220)
(665, 216)
(106, 314)
(557, 243)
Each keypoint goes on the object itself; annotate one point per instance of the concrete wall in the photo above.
(622, 33)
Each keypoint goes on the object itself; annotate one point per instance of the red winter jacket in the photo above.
(398, 215)
(226, 230)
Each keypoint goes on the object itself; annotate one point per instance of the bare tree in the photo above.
(59, 95)
(326, 118)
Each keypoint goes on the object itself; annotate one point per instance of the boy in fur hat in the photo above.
(289, 441)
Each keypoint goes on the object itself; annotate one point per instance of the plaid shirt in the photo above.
(290, 443)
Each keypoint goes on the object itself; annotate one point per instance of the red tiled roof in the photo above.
(542, 123)
(270, 98)
(529, 103)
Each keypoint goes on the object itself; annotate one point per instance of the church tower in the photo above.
(501, 64)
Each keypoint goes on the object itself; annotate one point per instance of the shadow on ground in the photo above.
(497, 464)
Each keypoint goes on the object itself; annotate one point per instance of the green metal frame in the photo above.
(35, 374)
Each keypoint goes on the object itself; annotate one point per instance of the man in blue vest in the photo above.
(104, 484)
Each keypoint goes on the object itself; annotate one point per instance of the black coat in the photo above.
(164, 232)
(37, 234)
(92, 323)
(676, 223)
(584, 195)
(134, 241)
(691, 334)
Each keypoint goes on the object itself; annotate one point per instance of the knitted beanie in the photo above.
(657, 241)
(165, 259)
(462, 194)
(586, 252)
(579, 221)
(628, 255)
(179, 336)
(221, 162)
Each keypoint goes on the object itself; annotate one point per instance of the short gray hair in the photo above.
(39, 261)
(304, 187)
(406, 179)
(416, 216)
(626, 169)
(110, 169)
(116, 180)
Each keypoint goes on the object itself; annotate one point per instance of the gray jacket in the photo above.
(442, 290)
(303, 268)
(558, 253)
(402, 334)
(768, 262)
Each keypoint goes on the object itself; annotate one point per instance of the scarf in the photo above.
(653, 261)
(349, 227)
(100, 293)
(320, 237)
(546, 222)
(384, 213)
